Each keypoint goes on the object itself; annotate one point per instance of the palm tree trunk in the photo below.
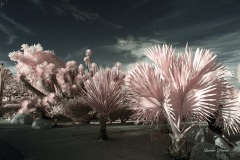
(178, 148)
(103, 128)
(1, 88)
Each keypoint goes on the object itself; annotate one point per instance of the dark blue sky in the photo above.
(118, 30)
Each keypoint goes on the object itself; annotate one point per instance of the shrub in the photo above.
(24, 119)
(9, 110)
(76, 110)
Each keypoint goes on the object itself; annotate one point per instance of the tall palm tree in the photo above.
(104, 93)
(181, 86)
(4, 74)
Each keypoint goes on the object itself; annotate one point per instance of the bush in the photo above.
(32, 106)
(23, 119)
(39, 113)
(76, 109)
(41, 124)
(9, 110)
(28, 106)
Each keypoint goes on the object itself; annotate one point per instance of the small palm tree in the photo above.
(104, 93)
(180, 86)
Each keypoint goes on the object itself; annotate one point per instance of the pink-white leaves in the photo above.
(102, 93)
(196, 86)
(86, 59)
(88, 52)
(35, 63)
(147, 92)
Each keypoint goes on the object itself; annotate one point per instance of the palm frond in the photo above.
(230, 116)
(195, 83)
(102, 93)
(148, 93)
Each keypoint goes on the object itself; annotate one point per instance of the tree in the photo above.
(76, 110)
(37, 68)
(181, 86)
(47, 76)
(104, 93)
(52, 80)
(13, 87)
(43, 73)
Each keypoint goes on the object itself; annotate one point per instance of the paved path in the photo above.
(59, 143)
(75, 142)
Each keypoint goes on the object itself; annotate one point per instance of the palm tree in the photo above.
(180, 86)
(4, 73)
(104, 93)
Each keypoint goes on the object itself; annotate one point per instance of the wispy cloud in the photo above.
(10, 28)
(136, 45)
(80, 53)
(130, 49)
(226, 46)
(195, 31)
(15, 24)
(220, 34)
(63, 7)
(85, 15)
(8, 33)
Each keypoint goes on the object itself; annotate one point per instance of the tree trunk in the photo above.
(103, 129)
(178, 148)
(1, 88)
(30, 87)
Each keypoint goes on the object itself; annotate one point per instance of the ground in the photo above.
(127, 142)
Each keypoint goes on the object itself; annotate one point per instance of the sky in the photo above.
(120, 30)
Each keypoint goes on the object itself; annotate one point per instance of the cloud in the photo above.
(9, 33)
(85, 16)
(40, 4)
(226, 46)
(10, 28)
(63, 7)
(15, 24)
(136, 45)
(217, 33)
(195, 31)
(37, 2)
(80, 53)
(132, 8)
(129, 50)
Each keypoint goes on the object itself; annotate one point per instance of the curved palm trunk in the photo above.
(178, 149)
(1, 86)
(103, 128)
